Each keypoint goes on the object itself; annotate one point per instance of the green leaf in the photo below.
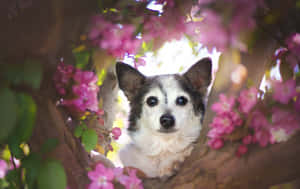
(12, 73)
(49, 145)
(52, 176)
(8, 113)
(33, 73)
(82, 58)
(26, 117)
(29, 73)
(14, 147)
(89, 139)
(78, 131)
(3, 183)
(32, 164)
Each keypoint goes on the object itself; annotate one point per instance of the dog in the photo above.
(166, 113)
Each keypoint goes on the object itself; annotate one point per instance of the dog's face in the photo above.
(165, 103)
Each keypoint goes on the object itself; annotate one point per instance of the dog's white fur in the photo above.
(159, 154)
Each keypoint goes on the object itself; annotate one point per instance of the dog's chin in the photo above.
(167, 131)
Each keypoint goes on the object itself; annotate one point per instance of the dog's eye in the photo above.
(181, 101)
(152, 101)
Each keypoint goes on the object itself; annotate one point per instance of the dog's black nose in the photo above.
(167, 121)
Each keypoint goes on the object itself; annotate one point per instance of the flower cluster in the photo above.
(167, 27)
(228, 24)
(227, 117)
(117, 39)
(78, 88)
(263, 120)
(206, 21)
(103, 178)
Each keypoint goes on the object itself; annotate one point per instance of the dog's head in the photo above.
(165, 103)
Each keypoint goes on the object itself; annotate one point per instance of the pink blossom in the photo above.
(223, 124)
(248, 99)
(259, 120)
(118, 172)
(3, 168)
(80, 87)
(117, 39)
(283, 119)
(284, 92)
(116, 132)
(293, 43)
(201, 2)
(235, 118)
(242, 16)
(224, 105)
(214, 133)
(241, 150)
(85, 77)
(62, 77)
(262, 137)
(247, 139)
(206, 31)
(216, 143)
(101, 177)
(131, 181)
(14, 162)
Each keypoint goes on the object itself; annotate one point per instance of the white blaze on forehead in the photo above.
(167, 90)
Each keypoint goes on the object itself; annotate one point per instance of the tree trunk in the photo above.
(49, 29)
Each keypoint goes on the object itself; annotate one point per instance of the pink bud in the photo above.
(241, 150)
(216, 143)
(247, 140)
(116, 131)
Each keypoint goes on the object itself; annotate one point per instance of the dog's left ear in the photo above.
(199, 75)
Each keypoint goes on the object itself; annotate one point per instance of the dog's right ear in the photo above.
(199, 74)
(129, 79)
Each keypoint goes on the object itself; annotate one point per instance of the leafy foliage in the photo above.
(89, 139)
(52, 176)
(8, 112)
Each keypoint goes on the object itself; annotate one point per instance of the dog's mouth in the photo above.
(162, 130)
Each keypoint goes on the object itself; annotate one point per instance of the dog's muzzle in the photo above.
(167, 121)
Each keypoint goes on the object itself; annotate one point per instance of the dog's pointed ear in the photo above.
(129, 79)
(199, 75)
